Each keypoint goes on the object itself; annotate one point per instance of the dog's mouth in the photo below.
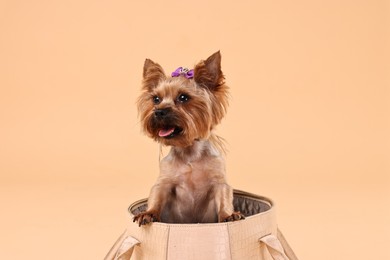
(169, 132)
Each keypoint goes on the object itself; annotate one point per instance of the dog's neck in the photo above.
(194, 152)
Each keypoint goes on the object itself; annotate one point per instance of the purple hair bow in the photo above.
(189, 74)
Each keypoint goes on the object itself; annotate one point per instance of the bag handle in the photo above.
(287, 248)
(125, 249)
(274, 247)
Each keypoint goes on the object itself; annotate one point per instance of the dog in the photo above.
(182, 111)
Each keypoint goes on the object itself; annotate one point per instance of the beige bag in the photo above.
(255, 237)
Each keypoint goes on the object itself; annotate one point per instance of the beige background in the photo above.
(308, 124)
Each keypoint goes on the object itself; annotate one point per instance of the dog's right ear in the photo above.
(153, 74)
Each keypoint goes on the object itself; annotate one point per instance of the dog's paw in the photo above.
(146, 218)
(233, 217)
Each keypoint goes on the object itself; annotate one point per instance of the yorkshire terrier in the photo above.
(182, 111)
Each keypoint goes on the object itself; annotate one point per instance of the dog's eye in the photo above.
(156, 100)
(183, 98)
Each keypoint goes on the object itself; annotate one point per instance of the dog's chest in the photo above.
(192, 198)
(195, 182)
(193, 179)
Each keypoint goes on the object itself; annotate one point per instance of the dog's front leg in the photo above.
(224, 202)
(157, 199)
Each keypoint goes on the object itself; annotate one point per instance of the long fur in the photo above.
(182, 113)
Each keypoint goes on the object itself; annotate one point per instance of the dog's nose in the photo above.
(160, 113)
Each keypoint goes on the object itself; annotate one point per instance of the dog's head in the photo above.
(179, 109)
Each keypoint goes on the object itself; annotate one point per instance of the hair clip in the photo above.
(189, 74)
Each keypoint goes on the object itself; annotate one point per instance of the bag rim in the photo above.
(236, 193)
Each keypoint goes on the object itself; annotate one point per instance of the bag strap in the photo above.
(126, 249)
(274, 247)
(287, 248)
(123, 248)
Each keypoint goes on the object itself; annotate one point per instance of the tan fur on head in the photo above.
(208, 100)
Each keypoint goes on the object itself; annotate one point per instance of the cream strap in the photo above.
(126, 249)
(274, 247)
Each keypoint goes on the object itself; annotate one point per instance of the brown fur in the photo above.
(191, 187)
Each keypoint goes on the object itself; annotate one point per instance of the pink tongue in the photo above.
(166, 132)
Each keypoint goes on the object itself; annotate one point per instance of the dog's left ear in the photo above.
(208, 73)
